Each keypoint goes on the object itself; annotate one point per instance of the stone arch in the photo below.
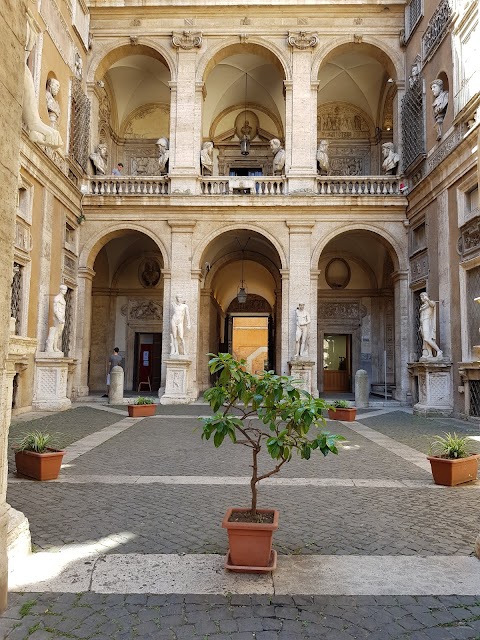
(237, 256)
(201, 248)
(390, 58)
(116, 50)
(397, 252)
(255, 45)
(92, 247)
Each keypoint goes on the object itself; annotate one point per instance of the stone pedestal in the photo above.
(116, 385)
(362, 389)
(19, 542)
(51, 377)
(435, 395)
(177, 383)
(303, 371)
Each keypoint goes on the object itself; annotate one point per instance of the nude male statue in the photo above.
(301, 334)
(428, 321)
(180, 318)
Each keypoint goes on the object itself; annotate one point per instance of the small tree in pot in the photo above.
(256, 410)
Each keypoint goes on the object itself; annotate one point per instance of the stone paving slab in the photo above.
(239, 617)
(205, 574)
(313, 520)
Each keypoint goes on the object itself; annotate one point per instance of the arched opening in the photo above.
(239, 262)
(356, 109)
(244, 100)
(127, 311)
(356, 313)
(133, 97)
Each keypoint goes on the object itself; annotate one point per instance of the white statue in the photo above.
(439, 105)
(163, 154)
(54, 340)
(322, 158)
(301, 334)
(279, 159)
(390, 158)
(414, 75)
(37, 131)
(53, 87)
(206, 158)
(99, 159)
(428, 328)
(180, 320)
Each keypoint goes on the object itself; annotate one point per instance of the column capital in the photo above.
(400, 275)
(186, 226)
(302, 41)
(197, 274)
(300, 227)
(187, 40)
(86, 273)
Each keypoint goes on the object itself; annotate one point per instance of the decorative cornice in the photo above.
(302, 40)
(187, 40)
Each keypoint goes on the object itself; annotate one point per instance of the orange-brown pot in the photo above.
(347, 414)
(250, 542)
(39, 466)
(141, 410)
(450, 472)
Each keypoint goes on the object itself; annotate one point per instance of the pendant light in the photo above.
(245, 140)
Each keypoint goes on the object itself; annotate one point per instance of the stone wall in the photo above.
(12, 35)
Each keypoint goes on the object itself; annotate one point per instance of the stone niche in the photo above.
(350, 133)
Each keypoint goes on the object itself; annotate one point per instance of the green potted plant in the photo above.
(256, 410)
(142, 407)
(38, 456)
(452, 461)
(341, 410)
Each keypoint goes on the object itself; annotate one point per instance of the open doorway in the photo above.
(337, 362)
(148, 361)
(250, 341)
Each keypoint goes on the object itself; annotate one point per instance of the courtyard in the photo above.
(128, 542)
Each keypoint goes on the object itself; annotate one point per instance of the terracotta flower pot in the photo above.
(250, 543)
(450, 472)
(39, 466)
(141, 410)
(346, 414)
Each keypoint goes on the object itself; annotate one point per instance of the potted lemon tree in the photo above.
(37, 456)
(256, 411)
(452, 460)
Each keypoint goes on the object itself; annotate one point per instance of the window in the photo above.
(471, 200)
(413, 15)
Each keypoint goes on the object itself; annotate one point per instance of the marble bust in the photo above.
(53, 87)
(390, 158)
(279, 156)
(439, 105)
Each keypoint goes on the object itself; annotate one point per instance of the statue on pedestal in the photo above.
(55, 333)
(428, 328)
(180, 320)
(279, 159)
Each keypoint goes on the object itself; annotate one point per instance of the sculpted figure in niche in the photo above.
(37, 131)
(428, 328)
(390, 158)
(414, 73)
(99, 159)
(54, 340)
(322, 158)
(163, 154)
(206, 158)
(150, 274)
(180, 321)
(439, 105)
(53, 87)
(279, 156)
(302, 331)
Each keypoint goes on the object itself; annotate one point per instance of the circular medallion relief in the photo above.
(149, 272)
(337, 273)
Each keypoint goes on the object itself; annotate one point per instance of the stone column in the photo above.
(116, 385)
(84, 322)
(204, 338)
(185, 118)
(301, 116)
(402, 324)
(444, 279)
(186, 284)
(13, 33)
(282, 364)
(299, 280)
(44, 269)
(167, 292)
(313, 339)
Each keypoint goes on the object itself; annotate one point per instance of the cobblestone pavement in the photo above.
(184, 518)
(154, 617)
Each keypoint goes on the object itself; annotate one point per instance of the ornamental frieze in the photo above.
(145, 310)
(469, 241)
(445, 149)
(340, 311)
(187, 40)
(436, 28)
(419, 267)
(303, 40)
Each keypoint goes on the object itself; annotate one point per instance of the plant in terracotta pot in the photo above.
(452, 460)
(255, 411)
(341, 410)
(37, 456)
(142, 407)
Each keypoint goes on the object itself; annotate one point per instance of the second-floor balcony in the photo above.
(259, 186)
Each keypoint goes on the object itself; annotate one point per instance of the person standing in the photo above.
(115, 360)
(118, 170)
